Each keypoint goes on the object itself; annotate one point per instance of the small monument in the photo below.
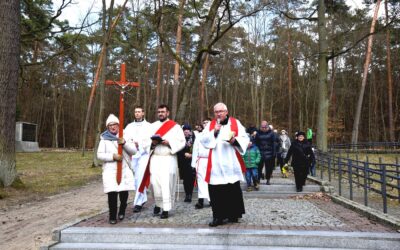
(26, 137)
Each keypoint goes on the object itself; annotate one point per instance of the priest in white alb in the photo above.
(199, 163)
(166, 140)
(227, 140)
(138, 132)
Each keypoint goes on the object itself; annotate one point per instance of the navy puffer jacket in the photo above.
(266, 143)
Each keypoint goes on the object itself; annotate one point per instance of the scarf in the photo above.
(107, 135)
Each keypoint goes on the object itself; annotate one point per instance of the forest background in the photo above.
(259, 57)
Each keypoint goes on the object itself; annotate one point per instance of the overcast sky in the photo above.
(75, 12)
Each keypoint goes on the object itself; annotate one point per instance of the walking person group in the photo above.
(214, 158)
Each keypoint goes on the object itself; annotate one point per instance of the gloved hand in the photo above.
(117, 157)
(121, 141)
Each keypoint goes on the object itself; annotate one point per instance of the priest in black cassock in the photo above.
(227, 140)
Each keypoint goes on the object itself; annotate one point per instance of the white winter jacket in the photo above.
(105, 153)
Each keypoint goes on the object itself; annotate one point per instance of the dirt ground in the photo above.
(30, 225)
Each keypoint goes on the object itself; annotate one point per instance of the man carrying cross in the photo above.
(166, 140)
(227, 140)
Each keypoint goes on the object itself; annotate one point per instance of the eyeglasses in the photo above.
(162, 111)
(264, 127)
(219, 111)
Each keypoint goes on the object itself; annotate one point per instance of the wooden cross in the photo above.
(122, 84)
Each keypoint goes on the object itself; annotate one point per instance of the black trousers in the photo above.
(189, 174)
(300, 175)
(226, 201)
(113, 203)
(269, 167)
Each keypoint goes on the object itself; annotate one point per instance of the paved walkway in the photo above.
(263, 211)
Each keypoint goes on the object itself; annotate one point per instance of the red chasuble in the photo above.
(234, 128)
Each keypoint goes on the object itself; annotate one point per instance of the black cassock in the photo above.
(226, 201)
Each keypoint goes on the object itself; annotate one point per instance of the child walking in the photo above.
(251, 158)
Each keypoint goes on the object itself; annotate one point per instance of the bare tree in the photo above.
(105, 26)
(389, 77)
(354, 136)
(96, 78)
(220, 12)
(323, 102)
(177, 66)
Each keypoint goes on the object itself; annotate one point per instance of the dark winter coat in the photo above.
(266, 143)
(301, 153)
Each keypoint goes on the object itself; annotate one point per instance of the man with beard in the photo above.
(167, 139)
(227, 140)
(138, 132)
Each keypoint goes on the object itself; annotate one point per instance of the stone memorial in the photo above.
(26, 137)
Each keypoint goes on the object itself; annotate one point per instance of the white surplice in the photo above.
(164, 164)
(225, 164)
(139, 132)
(199, 162)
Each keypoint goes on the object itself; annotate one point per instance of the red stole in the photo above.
(234, 128)
(161, 131)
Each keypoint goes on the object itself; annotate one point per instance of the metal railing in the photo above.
(370, 147)
(380, 178)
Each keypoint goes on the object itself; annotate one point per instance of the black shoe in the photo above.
(156, 210)
(198, 206)
(299, 189)
(233, 220)
(215, 222)
(164, 215)
(112, 222)
(121, 216)
(188, 198)
(137, 209)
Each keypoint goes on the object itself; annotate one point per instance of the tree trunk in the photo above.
(9, 67)
(290, 82)
(389, 78)
(354, 135)
(54, 143)
(102, 87)
(323, 102)
(159, 72)
(203, 87)
(175, 89)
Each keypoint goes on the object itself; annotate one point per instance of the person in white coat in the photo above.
(199, 163)
(227, 140)
(167, 139)
(138, 132)
(108, 153)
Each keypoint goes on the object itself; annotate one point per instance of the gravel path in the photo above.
(29, 225)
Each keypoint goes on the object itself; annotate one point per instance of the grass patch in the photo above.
(45, 173)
